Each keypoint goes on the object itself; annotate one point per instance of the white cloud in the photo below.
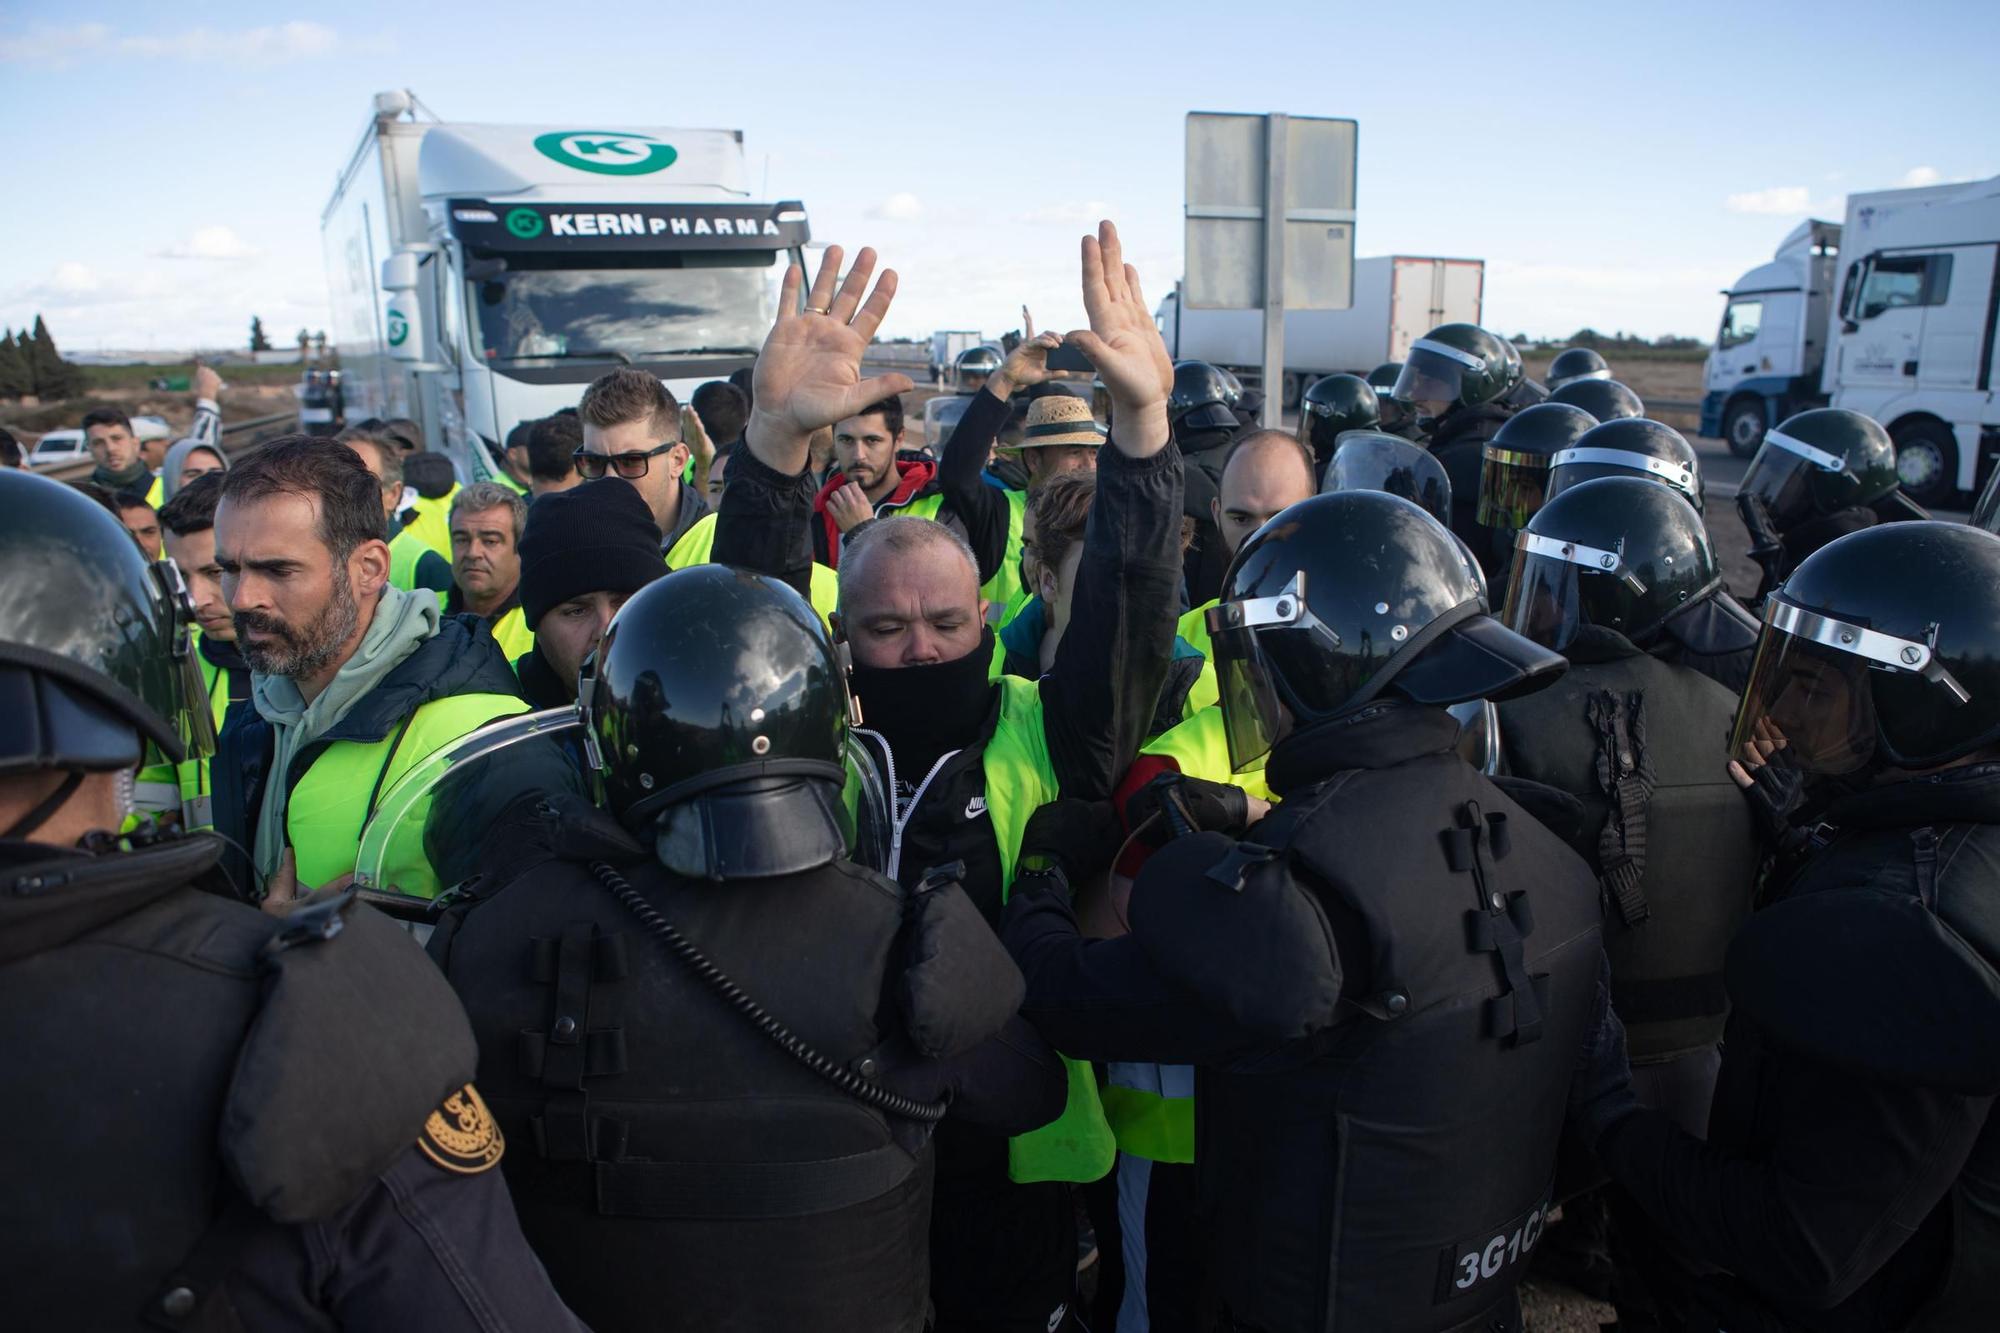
(1782, 199)
(266, 45)
(72, 279)
(1085, 214)
(900, 207)
(217, 242)
(1916, 176)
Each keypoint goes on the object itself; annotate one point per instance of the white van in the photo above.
(59, 447)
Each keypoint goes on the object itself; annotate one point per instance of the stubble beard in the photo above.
(297, 653)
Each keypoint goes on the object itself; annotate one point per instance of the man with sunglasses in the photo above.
(632, 430)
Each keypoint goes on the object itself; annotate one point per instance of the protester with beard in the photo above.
(964, 759)
(353, 679)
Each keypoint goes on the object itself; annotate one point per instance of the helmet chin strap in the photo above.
(49, 804)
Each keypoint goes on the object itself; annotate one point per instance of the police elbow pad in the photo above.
(1226, 920)
(958, 987)
(357, 1040)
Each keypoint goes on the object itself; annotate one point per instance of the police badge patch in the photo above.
(461, 1135)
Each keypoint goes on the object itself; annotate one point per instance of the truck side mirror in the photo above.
(399, 272)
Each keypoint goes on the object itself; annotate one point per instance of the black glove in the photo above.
(1600, 1082)
(1188, 805)
(1775, 795)
(1079, 837)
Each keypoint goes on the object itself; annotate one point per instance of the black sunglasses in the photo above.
(628, 465)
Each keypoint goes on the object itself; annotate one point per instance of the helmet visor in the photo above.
(1820, 686)
(1512, 486)
(192, 717)
(865, 810)
(1785, 475)
(1375, 461)
(1545, 589)
(1254, 714)
(1557, 381)
(1434, 373)
(1588, 463)
(425, 830)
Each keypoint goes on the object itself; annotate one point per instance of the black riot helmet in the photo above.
(1458, 365)
(1373, 460)
(1395, 416)
(971, 367)
(96, 643)
(1815, 463)
(1617, 553)
(1606, 399)
(1332, 406)
(1514, 471)
(1881, 650)
(1344, 598)
(1574, 364)
(1232, 387)
(1200, 399)
(718, 713)
(1629, 446)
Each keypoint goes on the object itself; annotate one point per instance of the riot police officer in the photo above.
(1606, 399)
(1202, 422)
(720, 1044)
(1573, 365)
(1462, 382)
(1373, 460)
(1396, 418)
(1627, 447)
(1332, 406)
(1514, 475)
(1396, 943)
(1819, 475)
(215, 1118)
(1849, 1179)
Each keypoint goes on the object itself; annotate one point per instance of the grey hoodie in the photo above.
(205, 433)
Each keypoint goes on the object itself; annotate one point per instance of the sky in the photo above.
(1614, 164)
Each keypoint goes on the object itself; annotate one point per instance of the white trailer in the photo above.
(1893, 314)
(1397, 300)
(482, 275)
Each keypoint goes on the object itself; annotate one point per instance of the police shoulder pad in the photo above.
(461, 1135)
(1874, 984)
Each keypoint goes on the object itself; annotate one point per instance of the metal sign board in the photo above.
(1237, 166)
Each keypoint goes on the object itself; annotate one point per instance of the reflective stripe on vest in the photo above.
(406, 551)
(432, 525)
(697, 542)
(511, 632)
(326, 810)
(1200, 746)
(1078, 1145)
(1193, 628)
(1151, 1110)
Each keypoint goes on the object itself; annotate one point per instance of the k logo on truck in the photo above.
(607, 152)
(399, 327)
(525, 223)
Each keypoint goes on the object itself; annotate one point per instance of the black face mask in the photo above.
(935, 707)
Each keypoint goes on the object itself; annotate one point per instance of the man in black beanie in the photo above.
(584, 551)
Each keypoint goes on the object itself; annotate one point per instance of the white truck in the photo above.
(1397, 300)
(1903, 322)
(482, 275)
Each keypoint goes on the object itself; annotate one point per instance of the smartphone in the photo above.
(1067, 357)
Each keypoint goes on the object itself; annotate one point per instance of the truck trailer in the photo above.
(1397, 300)
(1898, 314)
(483, 275)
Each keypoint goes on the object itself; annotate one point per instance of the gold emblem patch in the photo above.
(461, 1135)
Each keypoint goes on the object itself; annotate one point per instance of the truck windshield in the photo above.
(702, 303)
(1740, 323)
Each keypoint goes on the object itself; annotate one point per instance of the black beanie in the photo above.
(597, 537)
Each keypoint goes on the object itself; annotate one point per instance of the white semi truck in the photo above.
(483, 275)
(1397, 300)
(1894, 314)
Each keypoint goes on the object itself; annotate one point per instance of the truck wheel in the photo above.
(1927, 462)
(1743, 426)
(1292, 386)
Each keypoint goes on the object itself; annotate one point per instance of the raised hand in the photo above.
(1124, 345)
(1027, 365)
(809, 371)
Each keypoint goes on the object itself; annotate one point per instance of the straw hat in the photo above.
(1059, 419)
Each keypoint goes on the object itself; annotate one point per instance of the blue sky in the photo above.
(1614, 163)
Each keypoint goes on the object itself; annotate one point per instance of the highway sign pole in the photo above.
(1277, 130)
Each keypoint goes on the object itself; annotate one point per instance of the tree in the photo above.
(55, 378)
(16, 380)
(259, 342)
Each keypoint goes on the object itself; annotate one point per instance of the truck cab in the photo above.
(1771, 345)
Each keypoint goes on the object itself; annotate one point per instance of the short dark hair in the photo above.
(517, 438)
(723, 410)
(192, 509)
(106, 416)
(10, 449)
(745, 382)
(890, 409)
(628, 394)
(314, 468)
(99, 494)
(131, 500)
(552, 445)
(1061, 507)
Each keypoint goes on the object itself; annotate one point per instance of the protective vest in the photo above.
(432, 524)
(1078, 1145)
(1644, 745)
(1005, 589)
(672, 1167)
(698, 542)
(1391, 1171)
(1200, 747)
(156, 494)
(511, 632)
(1193, 629)
(406, 549)
(153, 1111)
(334, 798)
